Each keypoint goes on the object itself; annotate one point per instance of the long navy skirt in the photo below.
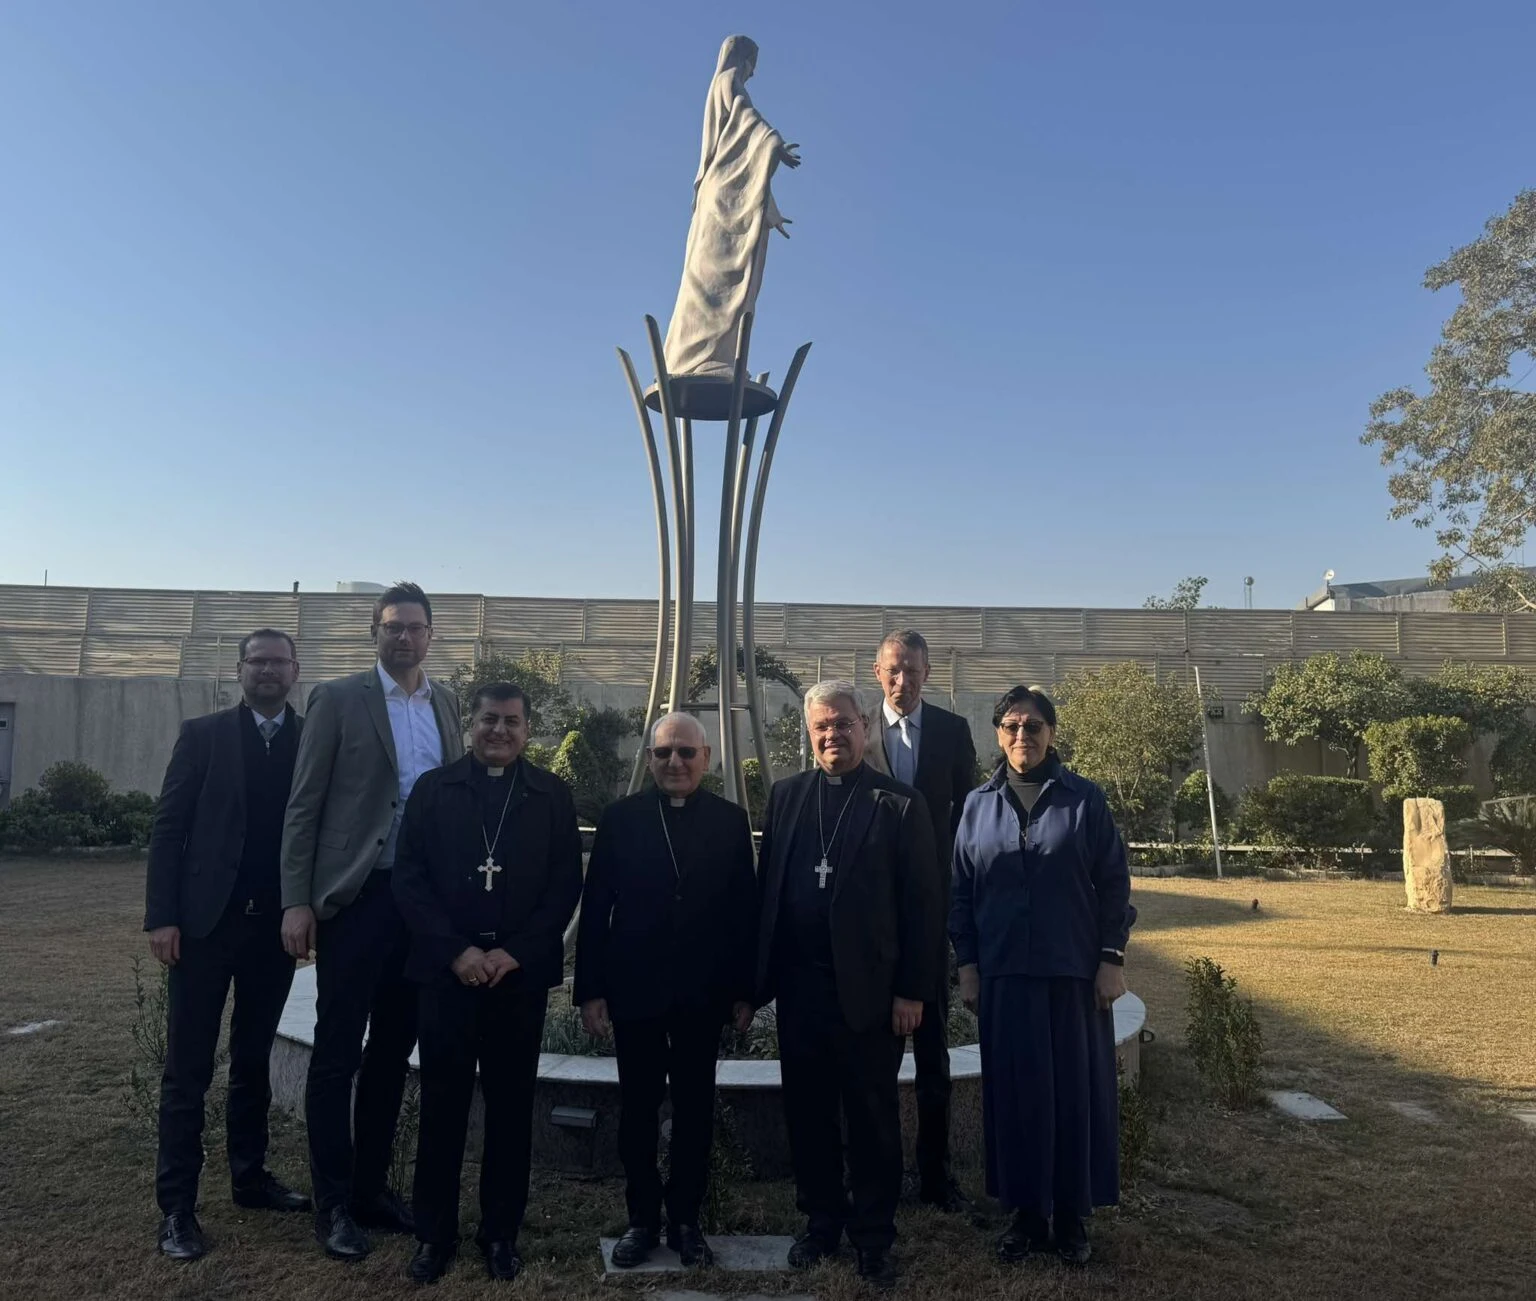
(1050, 1097)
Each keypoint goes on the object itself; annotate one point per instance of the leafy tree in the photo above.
(1332, 699)
(581, 765)
(1490, 698)
(1412, 756)
(784, 740)
(1464, 454)
(1295, 810)
(704, 672)
(1186, 595)
(550, 705)
(1513, 762)
(1127, 731)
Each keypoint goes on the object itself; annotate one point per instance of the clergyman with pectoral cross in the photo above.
(849, 938)
(487, 876)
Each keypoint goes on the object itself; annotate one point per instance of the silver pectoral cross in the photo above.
(823, 870)
(490, 867)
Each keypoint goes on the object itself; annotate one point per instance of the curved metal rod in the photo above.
(685, 633)
(749, 577)
(738, 521)
(663, 560)
(683, 523)
(725, 621)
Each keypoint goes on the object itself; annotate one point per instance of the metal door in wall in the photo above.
(7, 732)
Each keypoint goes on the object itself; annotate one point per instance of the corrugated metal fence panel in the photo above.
(616, 665)
(321, 658)
(1231, 681)
(1520, 637)
(770, 624)
(448, 653)
(1453, 636)
(1067, 665)
(941, 625)
(456, 618)
(623, 621)
(120, 611)
(530, 619)
(131, 657)
(993, 673)
(1051, 631)
(1219, 632)
(206, 657)
(1133, 632)
(1317, 632)
(832, 626)
(54, 609)
(237, 613)
(40, 652)
(339, 616)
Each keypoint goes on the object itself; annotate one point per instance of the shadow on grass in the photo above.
(1459, 911)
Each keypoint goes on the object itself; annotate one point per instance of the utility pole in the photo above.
(1210, 780)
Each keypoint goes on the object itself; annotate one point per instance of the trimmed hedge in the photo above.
(1295, 810)
(74, 807)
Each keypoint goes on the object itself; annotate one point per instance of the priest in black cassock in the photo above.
(487, 875)
(664, 957)
(848, 944)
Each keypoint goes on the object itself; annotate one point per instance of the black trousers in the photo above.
(360, 986)
(675, 1052)
(930, 1051)
(499, 1029)
(246, 952)
(827, 1067)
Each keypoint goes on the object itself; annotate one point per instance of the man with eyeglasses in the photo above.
(367, 739)
(664, 957)
(930, 749)
(848, 944)
(211, 910)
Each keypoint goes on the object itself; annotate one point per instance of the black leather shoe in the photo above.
(501, 1260)
(181, 1237)
(337, 1232)
(431, 1261)
(267, 1194)
(877, 1267)
(1072, 1241)
(384, 1212)
(809, 1249)
(1027, 1236)
(945, 1197)
(635, 1247)
(688, 1242)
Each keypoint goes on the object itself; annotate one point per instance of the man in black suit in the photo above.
(848, 943)
(664, 957)
(928, 748)
(213, 916)
(487, 876)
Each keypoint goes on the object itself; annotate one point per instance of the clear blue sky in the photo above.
(1099, 292)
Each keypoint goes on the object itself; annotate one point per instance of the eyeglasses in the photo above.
(416, 630)
(266, 662)
(842, 726)
(1030, 727)
(683, 752)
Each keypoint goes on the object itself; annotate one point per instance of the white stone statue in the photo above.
(733, 211)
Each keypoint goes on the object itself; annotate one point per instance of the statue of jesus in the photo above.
(733, 211)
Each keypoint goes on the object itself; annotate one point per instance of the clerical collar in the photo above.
(676, 801)
(495, 774)
(837, 779)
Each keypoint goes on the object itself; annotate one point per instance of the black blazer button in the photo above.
(381, 842)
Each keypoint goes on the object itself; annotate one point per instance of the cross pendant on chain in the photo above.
(490, 867)
(823, 870)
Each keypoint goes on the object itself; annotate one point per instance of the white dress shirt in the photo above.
(418, 745)
(902, 737)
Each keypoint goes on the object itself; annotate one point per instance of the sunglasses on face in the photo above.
(683, 752)
(1030, 727)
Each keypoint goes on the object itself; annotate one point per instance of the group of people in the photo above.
(434, 886)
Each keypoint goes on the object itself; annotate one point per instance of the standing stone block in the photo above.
(1426, 859)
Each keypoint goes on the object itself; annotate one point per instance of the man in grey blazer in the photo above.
(367, 738)
(930, 749)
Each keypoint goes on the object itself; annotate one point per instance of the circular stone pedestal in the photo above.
(576, 1102)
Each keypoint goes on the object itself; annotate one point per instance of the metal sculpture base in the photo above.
(740, 402)
(708, 397)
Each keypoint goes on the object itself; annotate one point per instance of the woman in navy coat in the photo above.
(1040, 916)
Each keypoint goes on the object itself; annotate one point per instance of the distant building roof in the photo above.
(1391, 594)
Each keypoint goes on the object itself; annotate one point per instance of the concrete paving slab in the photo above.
(736, 1253)
(1415, 1111)
(1303, 1106)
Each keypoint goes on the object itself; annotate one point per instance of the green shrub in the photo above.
(757, 791)
(1460, 802)
(1411, 756)
(71, 787)
(1511, 824)
(31, 823)
(1223, 1034)
(1192, 808)
(1309, 813)
(1135, 1128)
(74, 807)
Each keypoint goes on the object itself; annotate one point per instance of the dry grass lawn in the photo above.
(1229, 1206)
